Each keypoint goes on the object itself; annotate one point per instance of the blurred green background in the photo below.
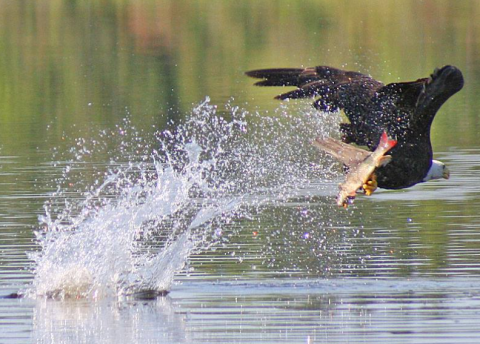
(71, 65)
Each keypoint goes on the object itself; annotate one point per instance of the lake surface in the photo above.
(136, 157)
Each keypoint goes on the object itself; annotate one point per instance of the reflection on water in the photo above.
(333, 311)
(108, 322)
(94, 99)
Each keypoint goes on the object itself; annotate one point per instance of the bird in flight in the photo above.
(404, 110)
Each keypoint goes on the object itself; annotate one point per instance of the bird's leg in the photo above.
(370, 185)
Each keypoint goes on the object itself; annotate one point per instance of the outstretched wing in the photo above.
(402, 95)
(395, 108)
(348, 155)
(420, 100)
(442, 84)
(335, 88)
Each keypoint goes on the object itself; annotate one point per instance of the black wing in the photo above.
(417, 102)
(335, 88)
(402, 95)
(441, 85)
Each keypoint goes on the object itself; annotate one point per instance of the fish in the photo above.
(360, 162)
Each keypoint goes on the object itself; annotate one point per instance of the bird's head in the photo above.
(437, 170)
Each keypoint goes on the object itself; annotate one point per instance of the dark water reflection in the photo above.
(402, 266)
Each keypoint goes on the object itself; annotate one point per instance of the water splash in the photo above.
(134, 228)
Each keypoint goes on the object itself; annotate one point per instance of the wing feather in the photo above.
(334, 88)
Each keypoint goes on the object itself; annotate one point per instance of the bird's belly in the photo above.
(400, 175)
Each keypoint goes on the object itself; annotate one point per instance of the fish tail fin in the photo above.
(387, 142)
(383, 160)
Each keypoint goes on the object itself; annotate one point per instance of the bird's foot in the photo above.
(370, 186)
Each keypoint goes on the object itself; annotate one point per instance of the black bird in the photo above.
(405, 110)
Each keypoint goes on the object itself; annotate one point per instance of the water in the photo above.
(136, 158)
(293, 266)
(138, 225)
